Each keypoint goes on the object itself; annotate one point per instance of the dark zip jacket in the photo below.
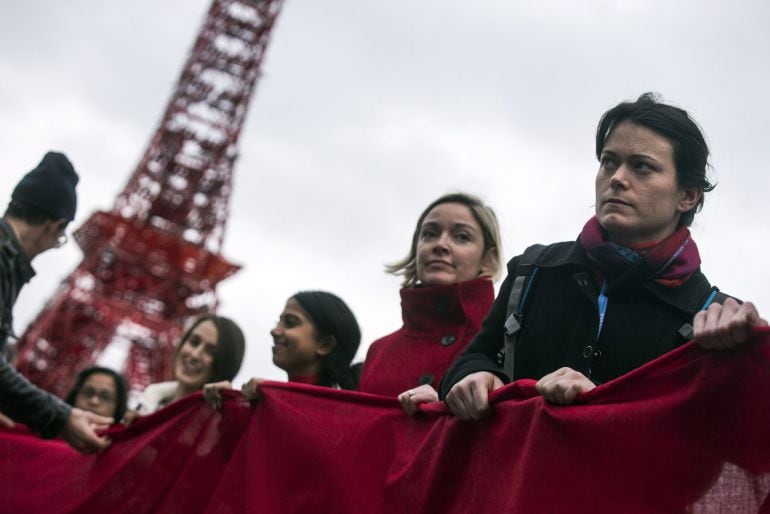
(560, 322)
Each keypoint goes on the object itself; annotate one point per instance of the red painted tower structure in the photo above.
(154, 260)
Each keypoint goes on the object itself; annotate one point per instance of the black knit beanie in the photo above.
(332, 317)
(50, 187)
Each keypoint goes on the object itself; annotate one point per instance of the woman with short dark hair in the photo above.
(630, 288)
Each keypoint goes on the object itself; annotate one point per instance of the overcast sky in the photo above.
(367, 111)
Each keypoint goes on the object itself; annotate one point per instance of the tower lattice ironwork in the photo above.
(155, 258)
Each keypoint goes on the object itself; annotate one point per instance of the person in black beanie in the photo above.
(50, 188)
(314, 341)
(42, 205)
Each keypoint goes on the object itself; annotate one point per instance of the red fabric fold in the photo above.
(685, 433)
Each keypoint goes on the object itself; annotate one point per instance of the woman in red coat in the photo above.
(447, 292)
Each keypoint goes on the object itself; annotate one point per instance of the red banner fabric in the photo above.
(689, 432)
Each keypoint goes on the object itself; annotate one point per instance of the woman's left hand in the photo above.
(412, 398)
(212, 395)
(6, 422)
(727, 325)
(252, 389)
(563, 385)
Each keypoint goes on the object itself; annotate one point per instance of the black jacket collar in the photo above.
(689, 297)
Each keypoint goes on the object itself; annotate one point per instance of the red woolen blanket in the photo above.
(689, 432)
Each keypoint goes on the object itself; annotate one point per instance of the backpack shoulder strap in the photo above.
(526, 270)
(714, 296)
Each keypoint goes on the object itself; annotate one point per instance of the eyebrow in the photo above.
(432, 224)
(633, 155)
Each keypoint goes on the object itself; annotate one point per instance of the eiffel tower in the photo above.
(155, 258)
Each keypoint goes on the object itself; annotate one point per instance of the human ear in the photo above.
(487, 264)
(325, 345)
(689, 199)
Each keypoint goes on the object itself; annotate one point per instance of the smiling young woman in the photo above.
(211, 349)
(627, 291)
(447, 291)
(314, 342)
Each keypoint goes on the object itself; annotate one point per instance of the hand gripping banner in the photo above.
(686, 433)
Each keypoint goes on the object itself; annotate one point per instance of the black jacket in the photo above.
(560, 322)
(19, 399)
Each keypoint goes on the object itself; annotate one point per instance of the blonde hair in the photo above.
(484, 216)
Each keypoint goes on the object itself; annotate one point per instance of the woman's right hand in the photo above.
(412, 398)
(469, 398)
(251, 389)
(212, 395)
(130, 416)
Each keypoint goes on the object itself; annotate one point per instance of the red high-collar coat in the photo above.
(439, 322)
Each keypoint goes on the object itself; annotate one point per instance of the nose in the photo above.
(275, 331)
(196, 352)
(619, 179)
(442, 243)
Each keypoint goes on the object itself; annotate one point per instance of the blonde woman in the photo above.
(447, 292)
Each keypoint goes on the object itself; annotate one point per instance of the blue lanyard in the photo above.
(601, 303)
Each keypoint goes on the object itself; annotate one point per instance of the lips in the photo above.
(616, 201)
(277, 345)
(439, 263)
(190, 369)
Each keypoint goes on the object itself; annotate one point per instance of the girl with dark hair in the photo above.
(628, 290)
(447, 291)
(101, 391)
(210, 349)
(314, 341)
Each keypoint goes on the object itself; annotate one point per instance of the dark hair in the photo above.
(332, 318)
(121, 391)
(484, 216)
(690, 149)
(355, 372)
(230, 346)
(27, 213)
